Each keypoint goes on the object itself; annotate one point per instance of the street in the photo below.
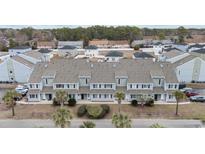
(136, 123)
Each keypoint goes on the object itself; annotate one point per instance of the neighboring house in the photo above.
(69, 50)
(15, 69)
(91, 51)
(170, 53)
(19, 50)
(18, 68)
(194, 47)
(46, 44)
(4, 55)
(76, 44)
(99, 81)
(150, 42)
(190, 68)
(200, 53)
(143, 55)
(113, 56)
(183, 46)
(109, 43)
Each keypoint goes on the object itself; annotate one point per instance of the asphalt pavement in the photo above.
(105, 123)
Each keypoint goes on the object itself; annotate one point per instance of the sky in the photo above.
(74, 26)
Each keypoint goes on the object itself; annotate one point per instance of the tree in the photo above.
(88, 124)
(181, 32)
(178, 96)
(161, 35)
(120, 96)
(62, 118)
(61, 96)
(121, 121)
(12, 43)
(9, 99)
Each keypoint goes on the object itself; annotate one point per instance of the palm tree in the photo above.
(9, 99)
(120, 96)
(61, 96)
(178, 96)
(121, 120)
(88, 124)
(62, 118)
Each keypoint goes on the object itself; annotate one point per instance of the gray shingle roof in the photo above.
(142, 55)
(23, 61)
(114, 54)
(69, 70)
(201, 51)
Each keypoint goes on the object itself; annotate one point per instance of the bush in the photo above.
(149, 102)
(106, 108)
(94, 111)
(72, 102)
(55, 102)
(81, 111)
(134, 103)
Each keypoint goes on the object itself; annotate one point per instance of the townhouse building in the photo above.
(99, 81)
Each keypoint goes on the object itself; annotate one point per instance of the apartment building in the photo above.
(99, 81)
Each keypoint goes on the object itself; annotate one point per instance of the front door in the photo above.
(82, 96)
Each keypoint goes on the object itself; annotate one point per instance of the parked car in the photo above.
(198, 98)
(189, 94)
(186, 89)
(21, 90)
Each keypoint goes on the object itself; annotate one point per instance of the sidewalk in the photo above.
(90, 102)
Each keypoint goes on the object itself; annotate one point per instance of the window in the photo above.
(59, 86)
(159, 81)
(31, 86)
(118, 81)
(37, 86)
(95, 85)
(130, 86)
(137, 86)
(99, 95)
(46, 81)
(33, 96)
(111, 96)
(94, 95)
(175, 86)
(86, 81)
(11, 72)
(68, 86)
(74, 86)
(99, 85)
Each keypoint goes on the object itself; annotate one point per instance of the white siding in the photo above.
(22, 72)
(202, 72)
(184, 72)
(4, 72)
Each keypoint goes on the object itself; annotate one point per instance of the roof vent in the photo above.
(45, 65)
(91, 65)
(161, 65)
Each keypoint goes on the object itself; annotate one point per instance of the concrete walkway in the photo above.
(105, 123)
(90, 102)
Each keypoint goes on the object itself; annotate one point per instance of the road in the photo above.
(136, 123)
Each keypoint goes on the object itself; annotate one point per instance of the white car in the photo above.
(21, 89)
(186, 89)
(198, 98)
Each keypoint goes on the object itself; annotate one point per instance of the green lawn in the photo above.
(186, 111)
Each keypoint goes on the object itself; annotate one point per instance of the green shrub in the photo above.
(106, 108)
(134, 102)
(72, 102)
(156, 126)
(81, 111)
(55, 102)
(149, 102)
(87, 124)
(94, 111)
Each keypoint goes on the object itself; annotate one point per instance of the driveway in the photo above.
(136, 123)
